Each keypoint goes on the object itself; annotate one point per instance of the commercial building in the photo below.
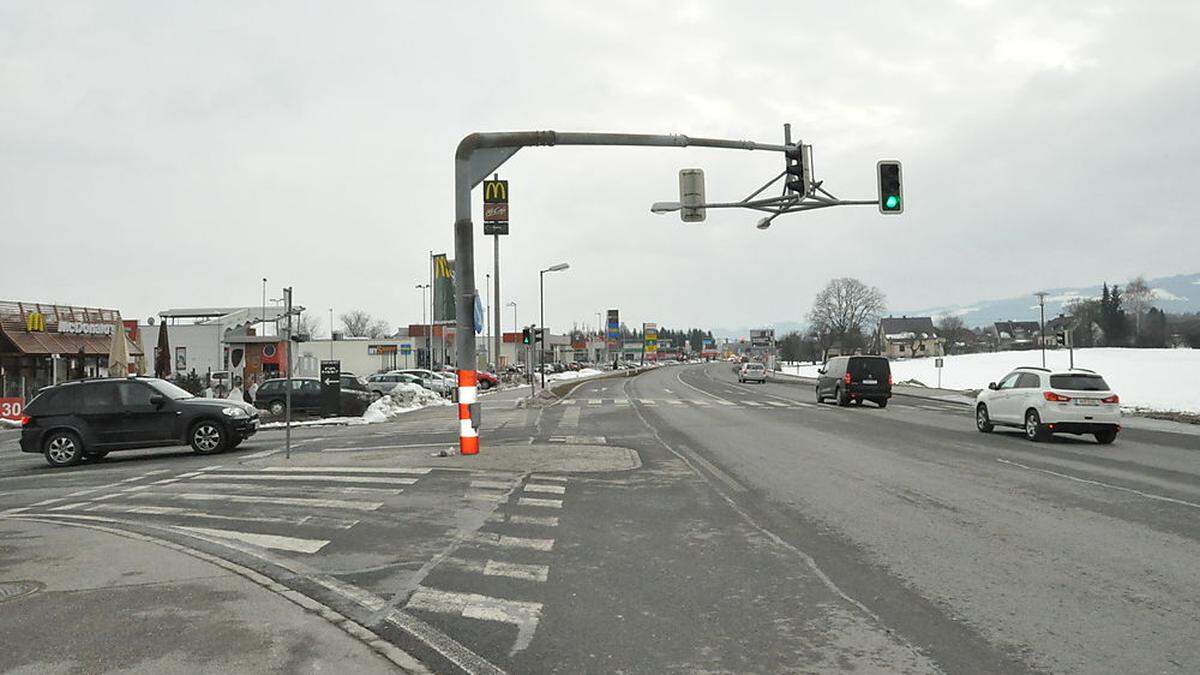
(43, 344)
(361, 356)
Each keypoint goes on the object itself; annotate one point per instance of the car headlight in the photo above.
(233, 411)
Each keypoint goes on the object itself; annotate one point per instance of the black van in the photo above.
(89, 418)
(855, 378)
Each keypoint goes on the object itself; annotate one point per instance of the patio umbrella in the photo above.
(118, 352)
(162, 353)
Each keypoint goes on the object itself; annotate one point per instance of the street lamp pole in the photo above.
(542, 316)
(262, 318)
(330, 333)
(428, 338)
(1041, 296)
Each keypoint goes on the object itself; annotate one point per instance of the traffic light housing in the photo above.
(525, 337)
(891, 188)
(799, 169)
(539, 334)
(691, 195)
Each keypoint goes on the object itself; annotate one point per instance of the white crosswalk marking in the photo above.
(493, 484)
(534, 501)
(755, 404)
(106, 507)
(724, 402)
(263, 540)
(542, 521)
(506, 541)
(349, 469)
(495, 568)
(699, 403)
(570, 401)
(552, 489)
(777, 404)
(674, 401)
(309, 477)
(524, 615)
(595, 401)
(542, 476)
(622, 401)
(253, 499)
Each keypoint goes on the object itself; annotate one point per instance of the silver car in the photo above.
(385, 383)
(428, 379)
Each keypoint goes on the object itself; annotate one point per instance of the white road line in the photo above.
(570, 418)
(19, 509)
(777, 404)
(570, 401)
(68, 507)
(699, 403)
(674, 401)
(288, 490)
(1088, 481)
(495, 568)
(595, 401)
(552, 489)
(543, 476)
(716, 471)
(49, 501)
(493, 484)
(440, 444)
(278, 501)
(621, 401)
(108, 496)
(273, 541)
(524, 615)
(147, 510)
(350, 469)
(85, 492)
(543, 521)
(722, 402)
(755, 404)
(165, 481)
(534, 501)
(309, 477)
(646, 401)
(264, 453)
(505, 541)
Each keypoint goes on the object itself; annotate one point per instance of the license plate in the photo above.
(1087, 401)
(870, 381)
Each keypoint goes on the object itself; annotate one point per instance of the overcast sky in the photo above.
(171, 154)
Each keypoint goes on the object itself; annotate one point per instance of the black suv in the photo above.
(855, 378)
(90, 418)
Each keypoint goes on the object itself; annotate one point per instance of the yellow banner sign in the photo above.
(35, 321)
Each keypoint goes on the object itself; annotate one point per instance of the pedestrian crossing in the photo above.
(575, 404)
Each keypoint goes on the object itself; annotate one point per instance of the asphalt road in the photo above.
(679, 521)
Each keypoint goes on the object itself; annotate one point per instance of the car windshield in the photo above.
(169, 390)
(1077, 382)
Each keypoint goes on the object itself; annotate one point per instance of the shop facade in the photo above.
(43, 344)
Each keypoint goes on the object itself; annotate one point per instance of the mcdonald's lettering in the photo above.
(442, 268)
(35, 321)
(495, 192)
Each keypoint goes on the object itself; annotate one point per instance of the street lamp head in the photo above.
(763, 223)
(664, 207)
(512, 303)
(557, 268)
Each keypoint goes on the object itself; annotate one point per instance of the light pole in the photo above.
(330, 333)
(263, 317)
(542, 315)
(428, 337)
(1041, 296)
(487, 315)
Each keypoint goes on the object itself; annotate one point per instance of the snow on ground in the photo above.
(1145, 379)
(381, 410)
(573, 374)
(9, 424)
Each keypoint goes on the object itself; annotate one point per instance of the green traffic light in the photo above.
(891, 202)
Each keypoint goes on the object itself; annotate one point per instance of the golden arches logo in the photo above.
(35, 321)
(495, 191)
(441, 267)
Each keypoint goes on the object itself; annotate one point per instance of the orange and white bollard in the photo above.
(468, 437)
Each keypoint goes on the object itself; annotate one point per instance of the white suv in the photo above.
(752, 372)
(1043, 402)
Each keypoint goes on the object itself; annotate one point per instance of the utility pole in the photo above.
(330, 333)
(1041, 296)
(287, 425)
(496, 281)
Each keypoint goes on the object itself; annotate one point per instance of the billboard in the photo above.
(650, 337)
(613, 330)
(762, 337)
(443, 289)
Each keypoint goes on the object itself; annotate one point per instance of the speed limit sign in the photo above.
(12, 408)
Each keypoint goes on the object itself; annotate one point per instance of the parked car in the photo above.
(848, 379)
(1043, 402)
(306, 397)
(486, 380)
(752, 372)
(90, 418)
(385, 383)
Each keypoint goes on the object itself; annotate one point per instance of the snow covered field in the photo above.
(1145, 379)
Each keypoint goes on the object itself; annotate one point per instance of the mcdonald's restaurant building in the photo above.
(43, 344)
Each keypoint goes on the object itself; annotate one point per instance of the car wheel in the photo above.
(843, 397)
(62, 448)
(376, 395)
(208, 437)
(278, 407)
(882, 403)
(983, 422)
(1034, 430)
(1106, 437)
(484, 385)
(820, 398)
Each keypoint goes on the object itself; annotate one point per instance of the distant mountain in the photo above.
(1180, 293)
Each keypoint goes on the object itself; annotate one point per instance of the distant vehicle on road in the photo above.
(752, 372)
(306, 397)
(1043, 402)
(90, 418)
(855, 379)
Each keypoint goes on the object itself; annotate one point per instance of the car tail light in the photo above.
(1058, 398)
(25, 420)
(1111, 399)
(889, 379)
(846, 378)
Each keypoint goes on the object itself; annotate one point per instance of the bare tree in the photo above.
(358, 323)
(1138, 297)
(308, 326)
(950, 327)
(844, 307)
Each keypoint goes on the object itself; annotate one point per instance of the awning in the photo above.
(39, 343)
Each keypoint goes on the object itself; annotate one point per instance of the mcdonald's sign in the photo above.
(495, 202)
(35, 321)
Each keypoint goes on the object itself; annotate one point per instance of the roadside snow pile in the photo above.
(1162, 380)
(9, 424)
(573, 374)
(409, 394)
